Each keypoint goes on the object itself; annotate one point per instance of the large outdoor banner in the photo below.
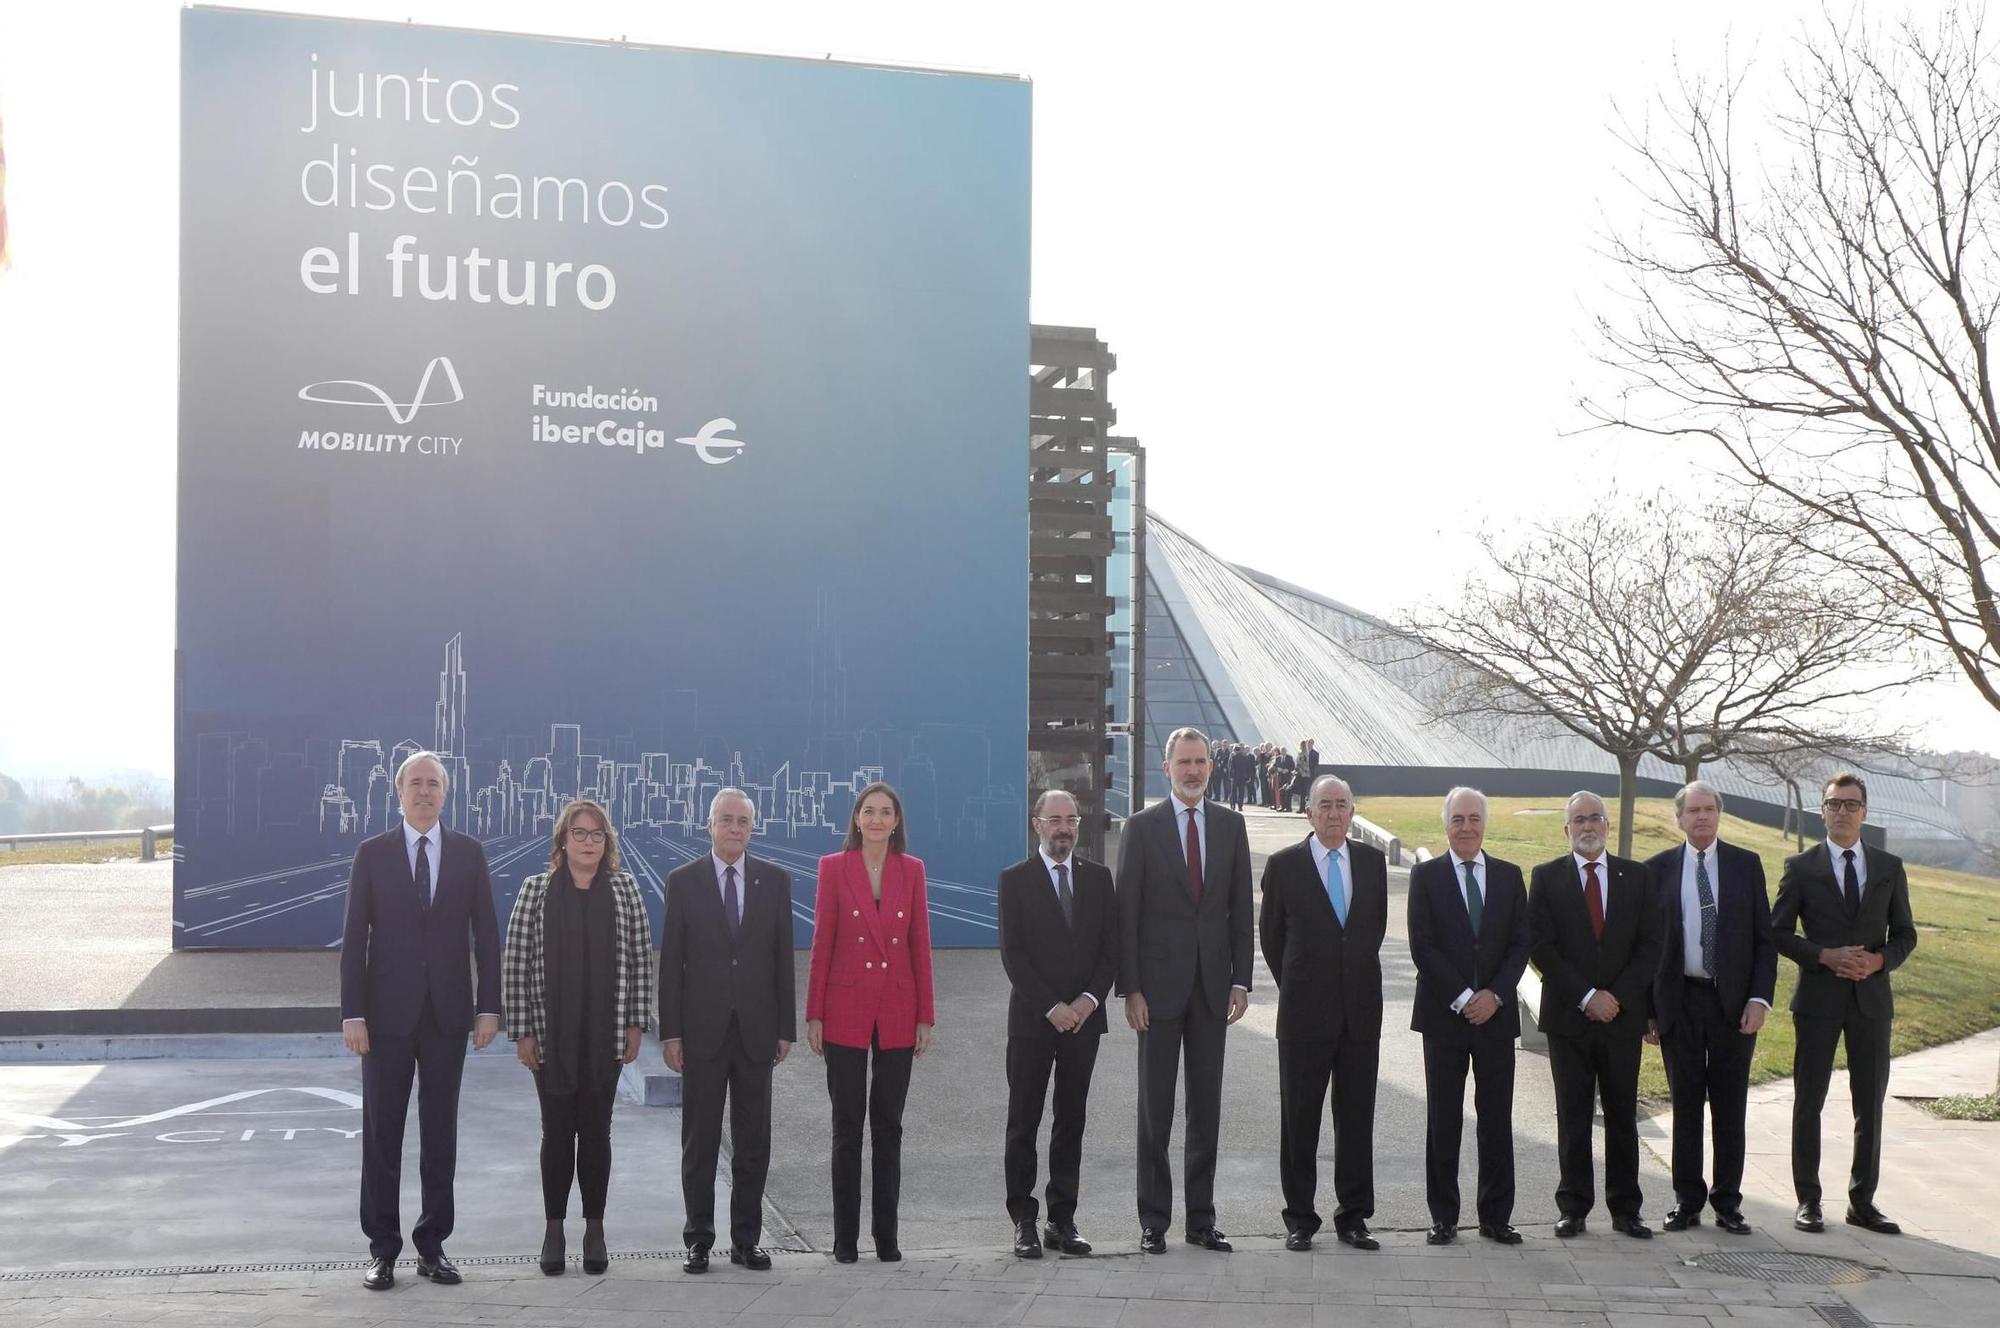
(621, 423)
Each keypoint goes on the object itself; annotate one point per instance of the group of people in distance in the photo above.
(1266, 775)
(1681, 950)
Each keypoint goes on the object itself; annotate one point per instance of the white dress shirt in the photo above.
(1056, 888)
(722, 886)
(1840, 865)
(436, 835)
(1603, 897)
(1691, 912)
(1478, 861)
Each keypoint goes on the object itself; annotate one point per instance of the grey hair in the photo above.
(1569, 806)
(1187, 733)
(1046, 794)
(1463, 791)
(732, 792)
(424, 755)
(1345, 787)
(1696, 786)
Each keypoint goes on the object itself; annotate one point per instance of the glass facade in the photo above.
(1176, 692)
(1120, 583)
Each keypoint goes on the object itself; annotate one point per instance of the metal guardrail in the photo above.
(1376, 837)
(149, 838)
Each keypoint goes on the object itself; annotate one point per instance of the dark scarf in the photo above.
(579, 946)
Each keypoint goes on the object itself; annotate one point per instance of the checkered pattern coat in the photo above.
(523, 966)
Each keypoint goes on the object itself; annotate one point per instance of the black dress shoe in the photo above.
(1569, 1226)
(1441, 1233)
(845, 1253)
(1299, 1242)
(1730, 1220)
(1808, 1218)
(381, 1274)
(1633, 1226)
(1872, 1219)
(1152, 1240)
(1027, 1245)
(596, 1258)
(1357, 1236)
(1063, 1236)
(438, 1269)
(695, 1262)
(1503, 1232)
(554, 1256)
(753, 1258)
(1680, 1219)
(888, 1253)
(1208, 1238)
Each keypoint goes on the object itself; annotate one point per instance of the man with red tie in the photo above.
(1595, 939)
(1186, 945)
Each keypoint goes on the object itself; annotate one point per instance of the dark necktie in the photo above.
(1194, 859)
(1593, 899)
(1063, 894)
(1475, 903)
(1706, 895)
(424, 872)
(1851, 881)
(729, 901)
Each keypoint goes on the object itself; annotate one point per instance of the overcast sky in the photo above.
(1344, 255)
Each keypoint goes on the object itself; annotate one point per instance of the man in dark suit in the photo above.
(1243, 775)
(1469, 939)
(1595, 938)
(1326, 906)
(419, 910)
(1185, 949)
(1059, 945)
(1853, 906)
(726, 1019)
(1710, 997)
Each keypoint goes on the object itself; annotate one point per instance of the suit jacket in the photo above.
(1450, 958)
(1572, 961)
(1329, 977)
(871, 965)
(1051, 960)
(1746, 962)
(394, 951)
(706, 979)
(1813, 901)
(524, 961)
(1166, 946)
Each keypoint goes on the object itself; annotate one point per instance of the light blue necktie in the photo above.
(1336, 887)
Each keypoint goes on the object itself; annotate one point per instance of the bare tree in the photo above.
(1821, 309)
(1660, 628)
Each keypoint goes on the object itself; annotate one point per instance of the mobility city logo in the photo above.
(334, 1102)
(355, 392)
(637, 434)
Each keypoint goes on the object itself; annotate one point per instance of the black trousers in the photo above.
(576, 1139)
(1592, 1069)
(880, 1106)
(1708, 1067)
(1867, 1086)
(1197, 1037)
(706, 1081)
(1030, 1060)
(1490, 1059)
(435, 1061)
(1304, 1070)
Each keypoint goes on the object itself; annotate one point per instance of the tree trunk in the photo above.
(1799, 825)
(1628, 792)
(1691, 767)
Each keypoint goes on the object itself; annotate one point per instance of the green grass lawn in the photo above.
(1948, 989)
(116, 850)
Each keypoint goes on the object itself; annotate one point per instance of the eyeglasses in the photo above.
(586, 836)
(1069, 822)
(1589, 818)
(1844, 805)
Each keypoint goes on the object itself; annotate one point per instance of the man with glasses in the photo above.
(1853, 906)
(1595, 939)
(1059, 945)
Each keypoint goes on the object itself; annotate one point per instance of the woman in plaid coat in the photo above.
(577, 983)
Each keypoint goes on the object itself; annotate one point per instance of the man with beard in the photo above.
(1059, 945)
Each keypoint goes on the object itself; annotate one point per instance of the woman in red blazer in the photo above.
(870, 990)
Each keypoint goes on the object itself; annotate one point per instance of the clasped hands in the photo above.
(1852, 962)
(1482, 1006)
(1071, 1017)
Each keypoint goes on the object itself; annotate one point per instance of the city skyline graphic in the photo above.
(254, 798)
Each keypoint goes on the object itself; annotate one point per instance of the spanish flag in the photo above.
(6, 259)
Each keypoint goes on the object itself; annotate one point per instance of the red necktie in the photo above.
(1594, 897)
(1194, 860)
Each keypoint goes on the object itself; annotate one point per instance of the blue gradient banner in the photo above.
(622, 422)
